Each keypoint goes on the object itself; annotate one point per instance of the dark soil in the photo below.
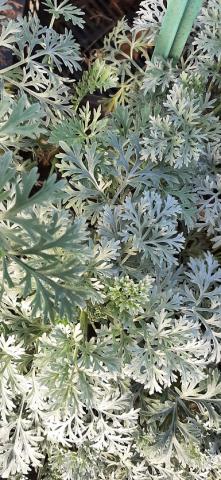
(100, 18)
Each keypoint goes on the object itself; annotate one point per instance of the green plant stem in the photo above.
(84, 323)
(119, 191)
(217, 109)
(135, 64)
(21, 63)
(52, 21)
(27, 90)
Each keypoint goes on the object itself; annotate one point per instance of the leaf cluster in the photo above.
(110, 281)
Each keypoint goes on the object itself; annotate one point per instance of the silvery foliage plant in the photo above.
(111, 281)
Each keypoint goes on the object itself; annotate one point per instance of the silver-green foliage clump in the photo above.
(111, 281)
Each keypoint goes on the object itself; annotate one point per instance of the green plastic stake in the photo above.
(192, 10)
(170, 25)
(176, 27)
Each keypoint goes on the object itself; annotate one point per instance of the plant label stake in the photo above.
(176, 27)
